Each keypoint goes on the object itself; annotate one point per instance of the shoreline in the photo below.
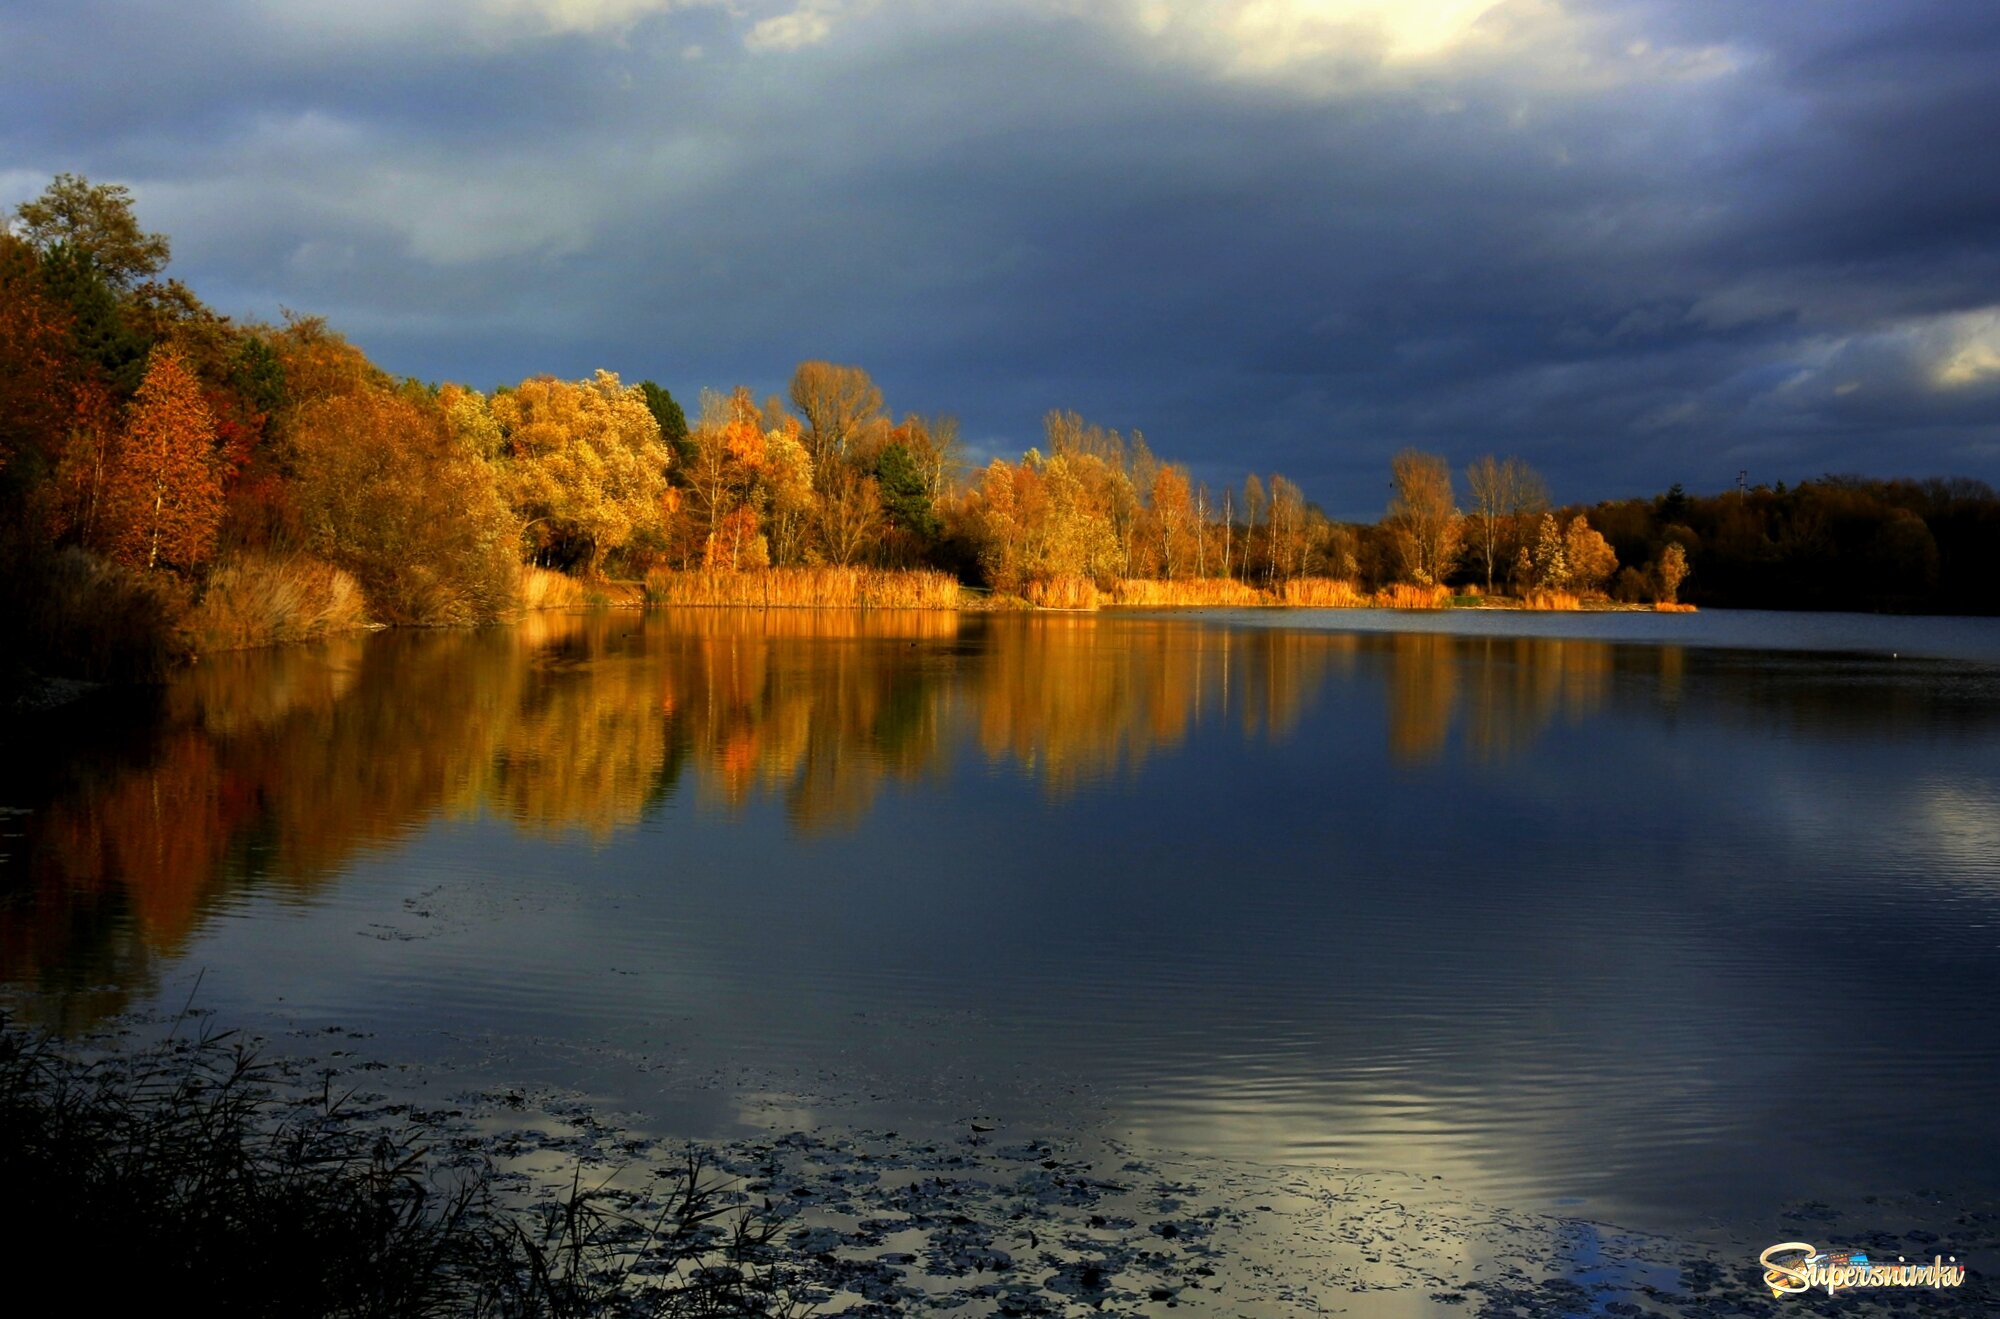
(980, 1214)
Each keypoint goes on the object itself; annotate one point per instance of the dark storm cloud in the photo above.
(1636, 243)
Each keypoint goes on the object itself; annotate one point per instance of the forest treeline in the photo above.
(172, 478)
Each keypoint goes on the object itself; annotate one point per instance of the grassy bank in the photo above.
(179, 1173)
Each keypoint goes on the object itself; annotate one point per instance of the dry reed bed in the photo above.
(1198, 592)
(1321, 593)
(261, 600)
(805, 588)
(542, 589)
(813, 624)
(1213, 592)
(1064, 593)
(1406, 595)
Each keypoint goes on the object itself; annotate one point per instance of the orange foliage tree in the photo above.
(388, 492)
(162, 491)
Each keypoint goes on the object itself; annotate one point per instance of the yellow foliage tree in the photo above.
(1589, 557)
(583, 463)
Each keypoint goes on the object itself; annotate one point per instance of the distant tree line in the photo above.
(1834, 542)
(145, 441)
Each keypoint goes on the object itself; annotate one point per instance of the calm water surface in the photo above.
(1676, 921)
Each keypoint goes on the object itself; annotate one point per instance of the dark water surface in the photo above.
(1673, 932)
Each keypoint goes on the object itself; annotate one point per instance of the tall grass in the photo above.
(543, 589)
(1063, 593)
(1552, 601)
(1197, 592)
(1669, 607)
(178, 1172)
(809, 588)
(814, 624)
(260, 600)
(1408, 595)
(1321, 593)
(540, 588)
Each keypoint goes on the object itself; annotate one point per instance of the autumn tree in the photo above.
(1172, 520)
(850, 514)
(1423, 517)
(1587, 556)
(1077, 536)
(585, 467)
(1253, 513)
(36, 370)
(386, 489)
(1007, 503)
(1547, 565)
(728, 450)
(163, 498)
(790, 502)
(1287, 541)
(1669, 572)
(840, 405)
(934, 447)
(1505, 495)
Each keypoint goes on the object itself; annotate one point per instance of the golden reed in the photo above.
(805, 588)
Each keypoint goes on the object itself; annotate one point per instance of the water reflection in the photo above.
(280, 765)
(1512, 908)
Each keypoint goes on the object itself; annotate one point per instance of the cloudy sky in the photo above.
(1634, 241)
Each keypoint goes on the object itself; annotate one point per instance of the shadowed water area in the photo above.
(1664, 933)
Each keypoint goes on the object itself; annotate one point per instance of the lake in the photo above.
(1667, 922)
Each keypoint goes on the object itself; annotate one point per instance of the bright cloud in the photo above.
(1971, 350)
(808, 25)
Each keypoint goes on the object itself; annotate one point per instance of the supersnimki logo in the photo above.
(1792, 1267)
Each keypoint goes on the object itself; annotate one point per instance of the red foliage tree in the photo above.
(163, 492)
